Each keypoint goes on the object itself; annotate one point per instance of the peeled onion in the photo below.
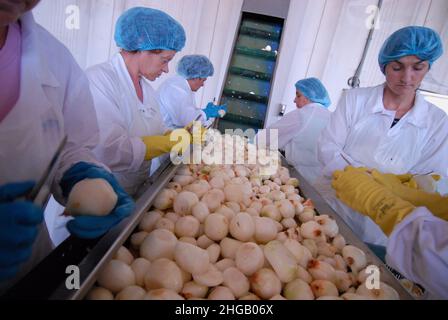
(184, 202)
(94, 197)
(116, 276)
(162, 294)
(242, 227)
(385, 292)
(298, 290)
(236, 281)
(158, 244)
(204, 242)
(321, 270)
(286, 208)
(214, 198)
(183, 180)
(124, 255)
(164, 223)
(221, 293)
(311, 230)
(199, 187)
(265, 283)
(140, 266)
(216, 226)
(214, 251)
(356, 258)
(172, 216)
(192, 289)
(149, 221)
(300, 252)
(249, 258)
(281, 260)
(164, 273)
(328, 225)
(131, 293)
(187, 226)
(271, 211)
(200, 211)
(323, 288)
(164, 199)
(212, 278)
(265, 229)
(225, 263)
(99, 293)
(191, 258)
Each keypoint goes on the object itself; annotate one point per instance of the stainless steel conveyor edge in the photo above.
(105, 249)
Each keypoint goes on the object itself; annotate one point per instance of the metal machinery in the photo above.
(252, 66)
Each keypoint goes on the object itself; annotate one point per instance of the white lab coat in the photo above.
(178, 104)
(418, 249)
(359, 134)
(54, 100)
(123, 119)
(360, 130)
(298, 132)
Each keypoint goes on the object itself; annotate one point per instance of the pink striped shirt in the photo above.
(10, 60)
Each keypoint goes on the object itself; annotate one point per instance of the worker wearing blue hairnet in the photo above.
(298, 130)
(177, 94)
(390, 128)
(132, 132)
(44, 97)
(131, 127)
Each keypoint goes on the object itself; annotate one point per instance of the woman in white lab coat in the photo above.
(131, 126)
(418, 240)
(390, 127)
(177, 94)
(299, 130)
(52, 100)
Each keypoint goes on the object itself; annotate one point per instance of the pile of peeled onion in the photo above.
(225, 232)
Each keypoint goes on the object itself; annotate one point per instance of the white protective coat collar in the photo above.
(416, 116)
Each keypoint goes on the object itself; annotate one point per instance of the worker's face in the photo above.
(153, 65)
(11, 10)
(403, 77)
(197, 83)
(300, 100)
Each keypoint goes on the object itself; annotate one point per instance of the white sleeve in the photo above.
(418, 248)
(80, 124)
(117, 149)
(291, 125)
(434, 154)
(180, 106)
(332, 139)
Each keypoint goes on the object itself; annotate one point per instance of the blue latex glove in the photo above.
(212, 111)
(19, 222)
(90, 227)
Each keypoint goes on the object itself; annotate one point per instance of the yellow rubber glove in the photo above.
(435, 203)
(178, 140)
(416, 181)
(360, 191)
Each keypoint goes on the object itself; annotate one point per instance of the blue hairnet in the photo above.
(140, 29)
(417, 41)
(314, 90)
(195, 66)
